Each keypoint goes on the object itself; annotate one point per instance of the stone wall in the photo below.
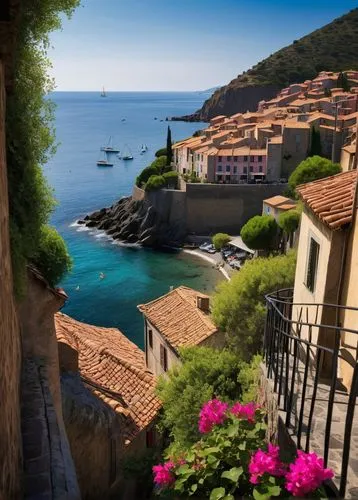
(10, 349)
(138, 193)
(48, 467)
(225, 207)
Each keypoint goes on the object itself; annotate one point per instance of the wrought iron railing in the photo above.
(304, 349)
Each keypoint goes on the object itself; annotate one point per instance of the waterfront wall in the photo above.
(138, 193)
(225, 207)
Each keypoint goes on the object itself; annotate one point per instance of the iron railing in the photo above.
(304, 352)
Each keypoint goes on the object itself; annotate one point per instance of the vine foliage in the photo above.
(31, 136)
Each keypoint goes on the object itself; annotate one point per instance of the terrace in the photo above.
(317, 411)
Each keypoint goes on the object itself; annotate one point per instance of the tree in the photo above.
(311, 169)
(289, 222)
(147, 172)
(204, 373)
(259, 232)
(52, 258)
(342, 82)
(169, 147)
(171, 179)
(220, 240)
(161, 164)
(316, 147)
(239, 305)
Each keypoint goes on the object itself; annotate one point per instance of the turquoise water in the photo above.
(132, 276)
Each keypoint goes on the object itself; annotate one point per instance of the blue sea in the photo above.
(84, 122)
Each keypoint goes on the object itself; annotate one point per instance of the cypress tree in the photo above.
(316, 147)
(169, 147)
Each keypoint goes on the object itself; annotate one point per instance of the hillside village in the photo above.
(266, 145)
(80, 403)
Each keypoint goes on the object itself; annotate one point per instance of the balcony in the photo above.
(305, 355)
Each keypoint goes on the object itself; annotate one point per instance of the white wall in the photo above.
(153, 354)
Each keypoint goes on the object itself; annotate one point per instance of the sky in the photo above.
(177, 45)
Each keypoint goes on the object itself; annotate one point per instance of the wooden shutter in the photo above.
(312, 265)
(163, 358)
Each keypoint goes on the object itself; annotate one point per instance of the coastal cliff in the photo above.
(139, 221)
(333, 47)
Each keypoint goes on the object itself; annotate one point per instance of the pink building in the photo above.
(240, 165)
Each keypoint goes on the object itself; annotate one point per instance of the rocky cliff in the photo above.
(137, 221)
(331, 48)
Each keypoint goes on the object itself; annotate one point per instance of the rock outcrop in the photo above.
(136, 221)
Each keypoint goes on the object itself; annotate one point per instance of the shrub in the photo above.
(232, 458)
(160, 164)
(155, 182)
(147, 172)
(259, 232)
(161, 152)
(171, 178)
(204, 373)
(311, 169)
(52, 258)
(220, 240)
(239, 305)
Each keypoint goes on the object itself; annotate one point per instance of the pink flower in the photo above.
(266, 463)
(212, 413)
(163, 475)
(306, 474)
(246, 412)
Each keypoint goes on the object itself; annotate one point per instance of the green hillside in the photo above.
(332, 48)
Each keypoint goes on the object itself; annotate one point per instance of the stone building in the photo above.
(178, 319)
(109, 405)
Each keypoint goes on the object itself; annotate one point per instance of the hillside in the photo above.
(332, 48)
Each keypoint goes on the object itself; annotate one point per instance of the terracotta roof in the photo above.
(178, 319)
(331, 199)
(114, 369)
(278, 200)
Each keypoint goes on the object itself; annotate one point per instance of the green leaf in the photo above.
(274, 491)
(232, 474)
(209, 451)
(194, 487)
(217, 494)
(260, 496)
(232, 430)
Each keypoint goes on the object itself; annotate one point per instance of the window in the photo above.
(227, 168)
(312, 265)
(150, 338)
(235, 170)
(228, 158)
(245, 158)
(219, 158)
(220, 168)
(163, 358)
(235, 158)
(259, 158)
(252, 158)
(251, 168)
(245, 170)
(260, 168)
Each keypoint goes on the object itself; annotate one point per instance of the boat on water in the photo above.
(103, 161)
(103, 93)
(143, 149)
(109, 148)
(127, 155)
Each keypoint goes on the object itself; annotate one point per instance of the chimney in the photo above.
(202, 303)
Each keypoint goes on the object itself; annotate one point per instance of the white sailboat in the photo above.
(103, 93)
(127, 155)
(103, 161)
(109, 148)
(144, 149)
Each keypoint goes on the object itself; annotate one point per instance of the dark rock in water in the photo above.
(136, 221)
(81, 221)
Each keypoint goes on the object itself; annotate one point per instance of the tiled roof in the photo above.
(114, 369)
(331, 199)
(278, 200)
(178, 319)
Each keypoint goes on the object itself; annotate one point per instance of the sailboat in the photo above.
(103, 93)
(144, 149)
(109, 148)
(127, 155)
(103, 162)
